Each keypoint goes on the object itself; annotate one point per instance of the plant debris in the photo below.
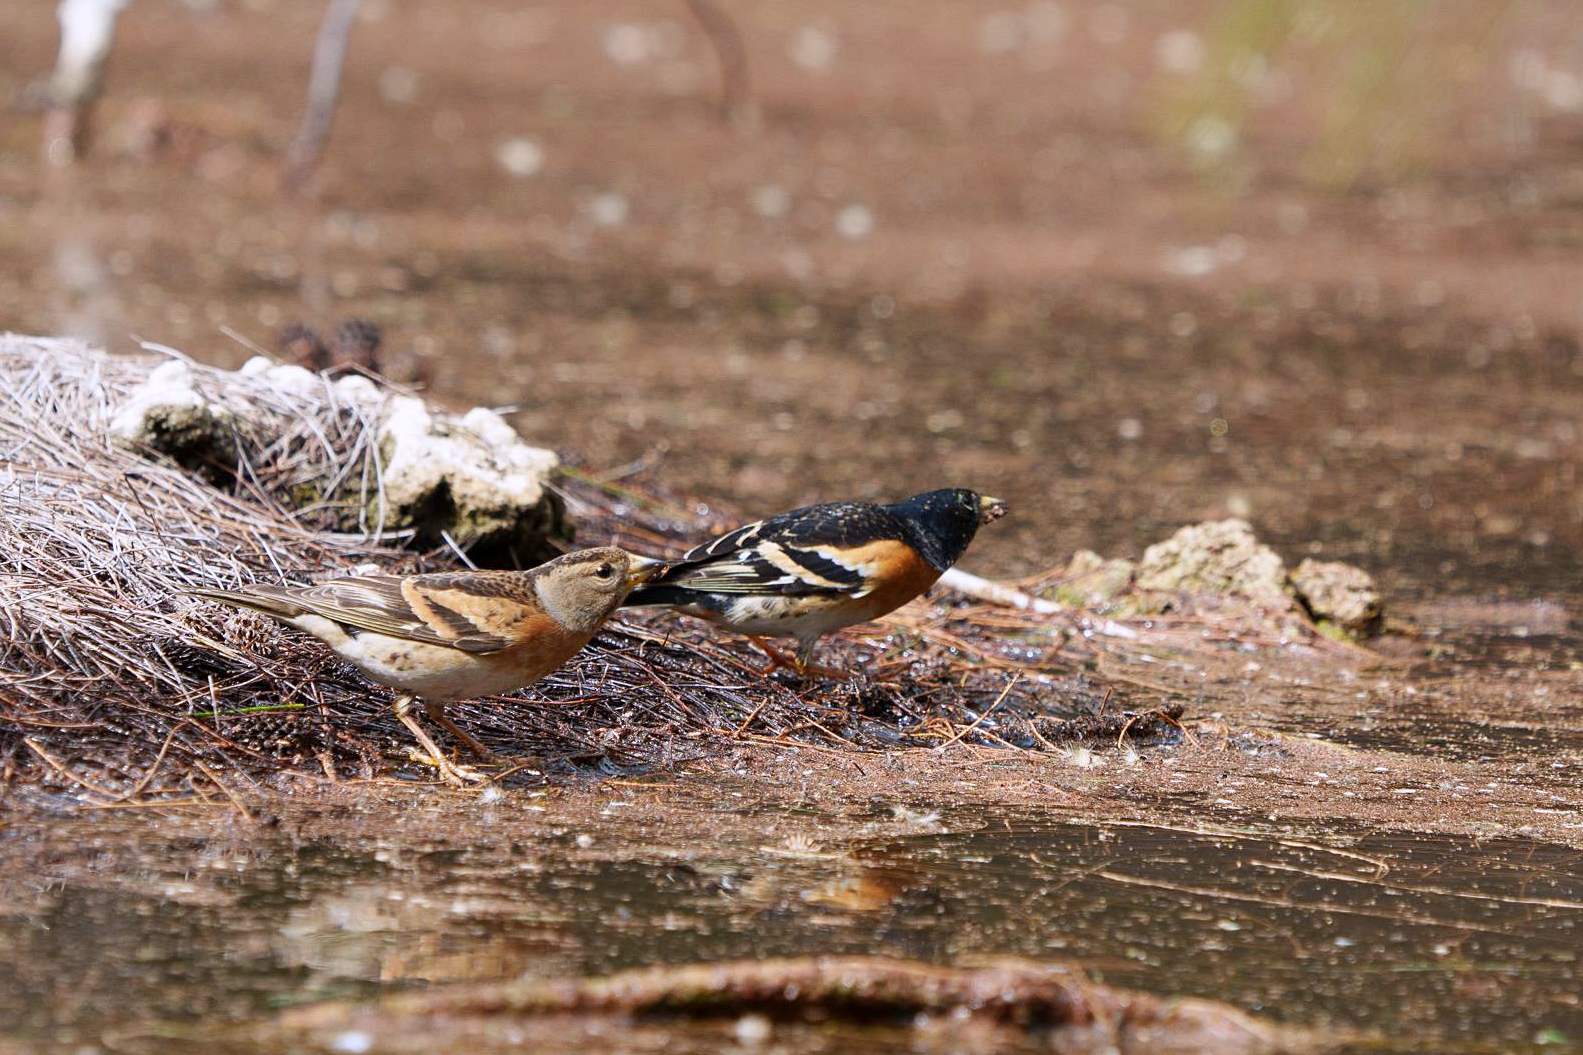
(1057, 1002)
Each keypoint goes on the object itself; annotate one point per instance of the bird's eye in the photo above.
(605, 571)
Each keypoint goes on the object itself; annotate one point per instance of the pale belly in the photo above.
(435, 672)
(801, 617)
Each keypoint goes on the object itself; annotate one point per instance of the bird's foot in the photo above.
(799, 664)
(778, 660)
(458, 776)
(815, 670)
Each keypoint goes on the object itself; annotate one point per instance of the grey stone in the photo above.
(1217, 557)
(1340, 594)
(1092, 581)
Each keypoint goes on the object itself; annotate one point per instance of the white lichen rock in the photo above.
(1217, 557)
(168, 414)
(470, 476)
(286, 378)
(1339, 594)
(463, 479)
(355, 388)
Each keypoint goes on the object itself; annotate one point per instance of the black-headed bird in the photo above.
(817, 569)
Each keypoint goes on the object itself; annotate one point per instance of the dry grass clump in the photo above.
(103, 659)
(119, 686)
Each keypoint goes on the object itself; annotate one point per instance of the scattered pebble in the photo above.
(398, 85)
(1339, 594)
(854, 222)
(771, 201)
(352, 1042)
(1179, 51)
(626, 43)
(753, 1030)
(521, 157)
(814, 48)
(609, 209)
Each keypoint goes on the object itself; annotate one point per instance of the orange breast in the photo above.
(899, 572)
(542, 645)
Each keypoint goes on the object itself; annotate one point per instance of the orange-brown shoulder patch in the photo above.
(898, 572)
(487, 614)
(418, 601)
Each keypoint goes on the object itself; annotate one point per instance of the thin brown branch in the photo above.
(324, 90)
(730, 52)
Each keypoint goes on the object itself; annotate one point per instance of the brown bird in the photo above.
(357, 344)
(456, 635)
(817, 569)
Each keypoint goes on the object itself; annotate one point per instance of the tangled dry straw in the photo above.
(116, 686)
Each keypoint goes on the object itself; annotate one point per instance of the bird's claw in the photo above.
(454, 774)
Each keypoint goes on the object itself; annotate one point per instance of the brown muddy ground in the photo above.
(958, 242)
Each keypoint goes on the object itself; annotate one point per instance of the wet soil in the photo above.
(152, 926)
(929, 259)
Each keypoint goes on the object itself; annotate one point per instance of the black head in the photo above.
(941, 524)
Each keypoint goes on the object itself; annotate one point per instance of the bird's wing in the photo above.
(474, 612)
(825, 550)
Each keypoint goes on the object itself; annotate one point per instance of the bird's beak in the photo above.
(990, 509)
(643, 569)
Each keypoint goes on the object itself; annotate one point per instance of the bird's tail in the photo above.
(660, 593)
(270, 600)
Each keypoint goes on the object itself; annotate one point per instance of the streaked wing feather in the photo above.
(378, 603)
(794, 554)
(724, 545)
(766, 566)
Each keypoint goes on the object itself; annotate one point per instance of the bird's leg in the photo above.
(806, 666)
(437, 715)
(801, 664)
(458, 776)
(778, 659)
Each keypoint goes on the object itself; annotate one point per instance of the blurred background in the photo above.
(1310, 262)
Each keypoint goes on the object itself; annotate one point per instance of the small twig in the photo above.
(324, 88)
(240, 806)
(461, 554)
(244, 341)
(981, 589)
(153, 768)
(726, 39)
(754, 713)
(987, 712)
(60, 768)
(1323, 908)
